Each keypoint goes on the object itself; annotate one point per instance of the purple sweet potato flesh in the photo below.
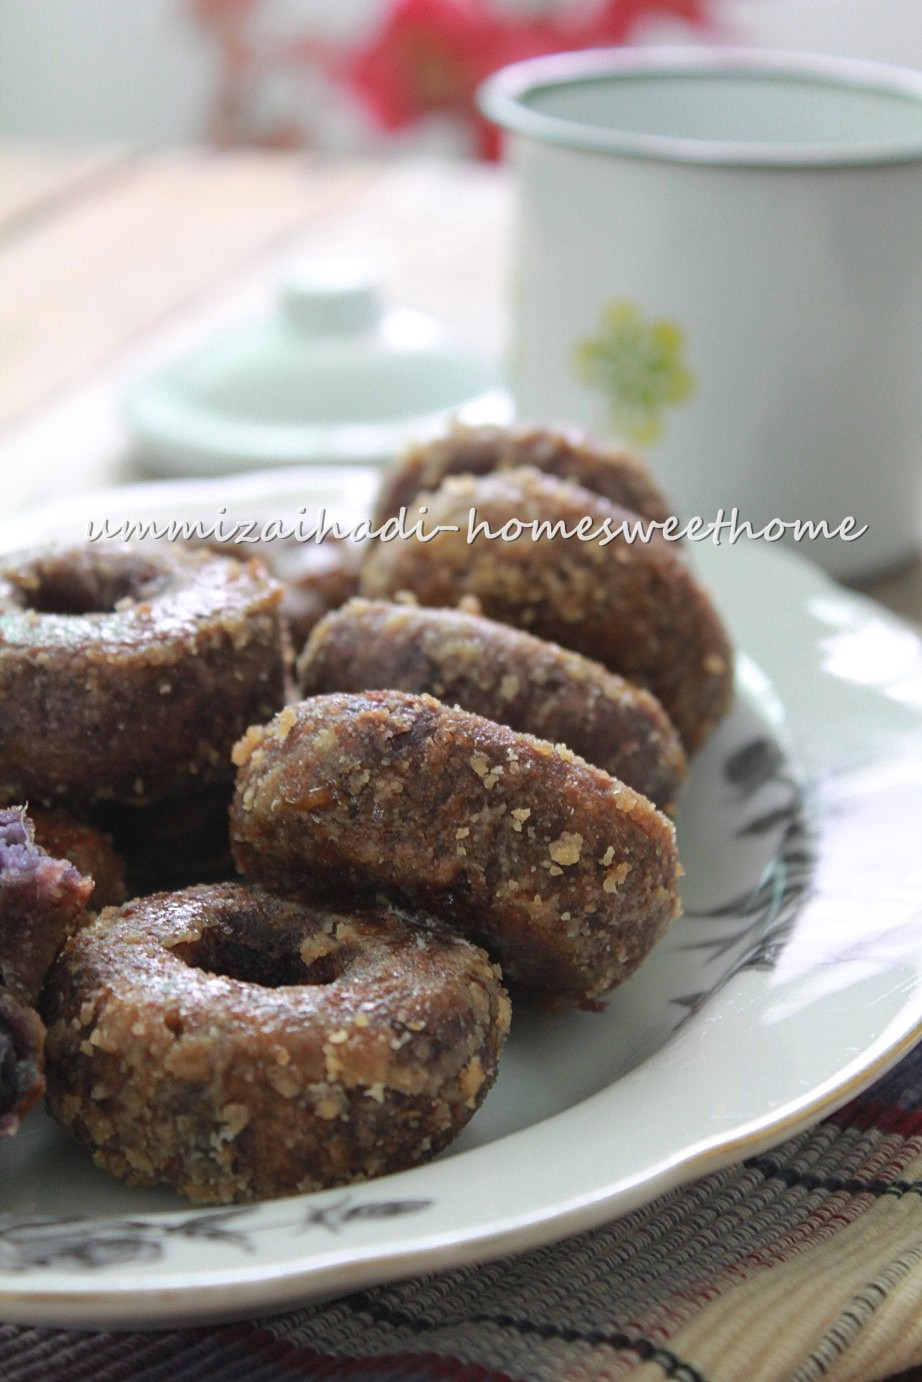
(42, 901)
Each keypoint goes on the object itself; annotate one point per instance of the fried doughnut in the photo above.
(238, 1046)
(564, 874)
(127, 673)
(570, 454)
(42, 901)
(505, 675)
(633, 606)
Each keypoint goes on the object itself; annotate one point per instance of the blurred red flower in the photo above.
(431, 55)
(425, 57)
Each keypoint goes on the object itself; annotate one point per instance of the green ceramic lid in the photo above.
(331, 377)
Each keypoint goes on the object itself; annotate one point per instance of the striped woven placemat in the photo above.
(799, 1264)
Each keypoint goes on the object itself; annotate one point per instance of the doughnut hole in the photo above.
(262, 960)
(101, 584)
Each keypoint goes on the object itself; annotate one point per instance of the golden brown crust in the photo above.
(631, 605)
(504, 674)
(567, 876)
(127, 674)
(238, 1046)
(315, 576)
(570, 454)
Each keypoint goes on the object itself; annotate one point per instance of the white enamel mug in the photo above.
(719, 259)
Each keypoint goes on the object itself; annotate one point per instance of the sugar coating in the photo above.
(498, 834)
(127, 673)
(239, 1046)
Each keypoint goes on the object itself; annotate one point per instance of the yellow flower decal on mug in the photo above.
(639, 365)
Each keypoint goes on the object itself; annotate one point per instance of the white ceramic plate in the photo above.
(792, 981)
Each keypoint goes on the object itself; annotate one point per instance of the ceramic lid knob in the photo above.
(331, 298)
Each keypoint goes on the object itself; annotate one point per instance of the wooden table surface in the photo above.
(114, 259)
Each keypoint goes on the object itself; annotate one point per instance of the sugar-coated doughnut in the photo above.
(569, 453)
(238, 1046)
(564, 874)
(127, 673)
(504, 674)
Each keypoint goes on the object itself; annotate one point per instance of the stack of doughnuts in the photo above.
(433, 760)
(627, 604)
(125, 678)
(473, 791)
(634, 607)
(220, 1039)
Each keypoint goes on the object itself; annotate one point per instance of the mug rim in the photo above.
(503, 100)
